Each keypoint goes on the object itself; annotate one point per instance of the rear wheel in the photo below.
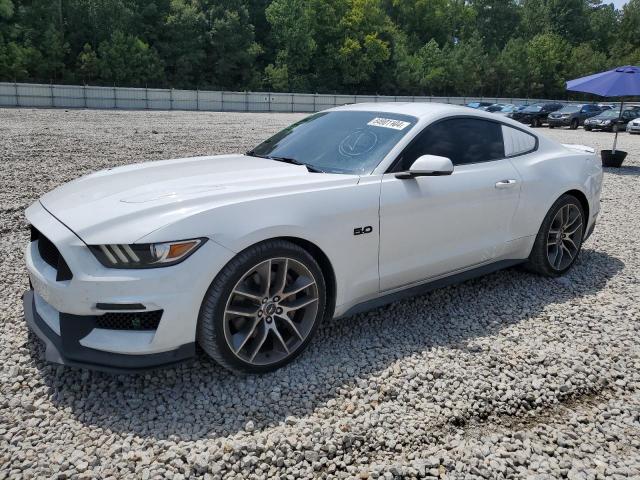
(263, 308)
(559, 240)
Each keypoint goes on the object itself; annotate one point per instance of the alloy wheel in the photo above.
(271, 311)
(565, 237)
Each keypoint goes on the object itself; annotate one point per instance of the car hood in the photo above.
(124, 204)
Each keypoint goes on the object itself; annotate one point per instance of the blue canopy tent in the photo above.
(619, 82)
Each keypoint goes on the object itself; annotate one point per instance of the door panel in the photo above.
(430, 226)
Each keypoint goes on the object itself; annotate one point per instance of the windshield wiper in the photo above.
(290, 160)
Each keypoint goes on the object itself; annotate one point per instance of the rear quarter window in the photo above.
(518, 142)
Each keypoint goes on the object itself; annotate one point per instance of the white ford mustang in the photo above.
(345, 210)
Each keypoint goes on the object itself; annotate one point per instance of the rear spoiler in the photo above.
(579, 148)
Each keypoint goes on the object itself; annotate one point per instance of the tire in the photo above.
(535, 123)
(615, 128)
(588, 129)
(544, 258)
(574, 124)
(552, 126)
(274, 335)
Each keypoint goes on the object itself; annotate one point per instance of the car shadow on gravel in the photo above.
(199, 400)
(624, 170)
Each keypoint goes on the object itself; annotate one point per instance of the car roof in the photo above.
(415, 109)
(426, 112)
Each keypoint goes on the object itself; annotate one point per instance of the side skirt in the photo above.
(423, 288)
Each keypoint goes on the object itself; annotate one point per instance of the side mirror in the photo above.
(428, 166)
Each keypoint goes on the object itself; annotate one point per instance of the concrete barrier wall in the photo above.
(78, 96)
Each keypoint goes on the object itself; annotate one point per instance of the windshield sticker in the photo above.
(389, 123)
(358, 143)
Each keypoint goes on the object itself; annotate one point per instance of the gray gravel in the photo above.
(509, 376)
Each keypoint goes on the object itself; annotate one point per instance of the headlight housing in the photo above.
(145, 255)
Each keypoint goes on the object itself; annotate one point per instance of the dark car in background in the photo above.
(573, 116)
(496, 107)
(506, 110)
(611, 120)
(536, 114)
(479, 104)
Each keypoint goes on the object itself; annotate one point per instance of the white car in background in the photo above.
(345, 210)
(634, 126)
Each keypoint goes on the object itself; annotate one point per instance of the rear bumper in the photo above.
(65, 349)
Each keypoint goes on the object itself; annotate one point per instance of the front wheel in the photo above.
(574, 124)
(559, 240)
(262, 309)
(535, 123)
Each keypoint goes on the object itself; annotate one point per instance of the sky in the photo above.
(619, 3)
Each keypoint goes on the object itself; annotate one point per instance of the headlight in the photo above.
(145, 255)
(607, 122)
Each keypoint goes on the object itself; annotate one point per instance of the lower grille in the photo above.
(51, 255)
(129, 320)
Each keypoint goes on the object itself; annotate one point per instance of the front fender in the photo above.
(326, 218)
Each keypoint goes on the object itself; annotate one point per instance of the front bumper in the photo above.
(599, 126)
(66, 349)
(65, 313)
(559, 122)
(633, 128)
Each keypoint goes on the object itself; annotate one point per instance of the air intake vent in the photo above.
(129, 320)
(50, 254)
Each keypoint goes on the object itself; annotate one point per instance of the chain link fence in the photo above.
(78, 96)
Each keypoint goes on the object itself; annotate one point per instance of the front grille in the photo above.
(129, 320)
(51, 255)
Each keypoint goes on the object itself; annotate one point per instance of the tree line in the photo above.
(400, 47)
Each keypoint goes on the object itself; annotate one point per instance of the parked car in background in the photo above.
(493, 108)
(518, 109)
(536, 114)
(611, 120)
(479, 104)
(634, 126)
(604, 106)
(573, 116)
(506, 109)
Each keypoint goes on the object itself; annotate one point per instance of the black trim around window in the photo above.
(393, 168)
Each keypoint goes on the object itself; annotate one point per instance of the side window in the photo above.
(463, 140)
(517, 142)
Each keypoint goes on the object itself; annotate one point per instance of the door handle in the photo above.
(506, 183)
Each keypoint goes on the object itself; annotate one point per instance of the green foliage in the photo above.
(127, 60)
(6, 8)
(410, 47)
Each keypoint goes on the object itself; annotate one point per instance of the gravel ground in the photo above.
(508, 376)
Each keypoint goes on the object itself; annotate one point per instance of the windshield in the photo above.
(610, 114)
(352, 142)
(533, 108)
(570, 109)
(508, 108)
(473, 104)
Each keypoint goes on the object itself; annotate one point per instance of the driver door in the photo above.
(435, 225)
